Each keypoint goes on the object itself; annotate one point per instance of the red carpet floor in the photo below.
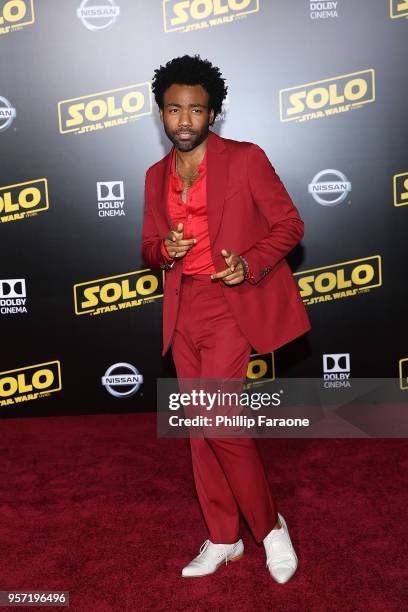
(99, 506)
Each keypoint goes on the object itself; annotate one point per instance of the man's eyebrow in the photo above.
(180, 105)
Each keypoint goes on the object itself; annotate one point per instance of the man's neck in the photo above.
(193, 158)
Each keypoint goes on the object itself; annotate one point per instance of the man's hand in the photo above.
(175, 245)
(235, 273)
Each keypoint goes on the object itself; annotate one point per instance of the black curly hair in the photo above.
(188, 70)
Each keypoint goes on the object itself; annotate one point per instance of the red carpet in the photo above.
(99, 506)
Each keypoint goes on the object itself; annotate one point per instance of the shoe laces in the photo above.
(275, 553)
(204, 546)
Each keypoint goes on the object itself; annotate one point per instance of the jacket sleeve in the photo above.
(285, 225)
(152, 253)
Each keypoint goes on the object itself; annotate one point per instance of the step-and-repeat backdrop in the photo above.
(320, 86)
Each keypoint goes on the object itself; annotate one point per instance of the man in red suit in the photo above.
(218, 219)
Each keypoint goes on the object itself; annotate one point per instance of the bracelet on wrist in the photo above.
(245, 265)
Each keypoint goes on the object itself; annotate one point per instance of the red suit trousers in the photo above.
(228, 472)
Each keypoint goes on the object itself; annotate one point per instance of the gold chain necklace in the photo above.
(186, 179)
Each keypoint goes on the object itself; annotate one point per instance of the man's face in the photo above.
(186, 116)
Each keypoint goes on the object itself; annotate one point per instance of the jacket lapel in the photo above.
(217, 180)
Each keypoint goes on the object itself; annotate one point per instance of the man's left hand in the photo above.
(235, 273)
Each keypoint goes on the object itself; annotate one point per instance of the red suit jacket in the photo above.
(251, 213)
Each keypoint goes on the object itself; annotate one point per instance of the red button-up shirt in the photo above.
(193, 215)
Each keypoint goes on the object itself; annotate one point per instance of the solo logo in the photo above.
(189, 15)
(261, 368)
(14, 14)
(23, 200)
(336, 370)
(398, 8)
(13, 296)
(403, 374)
(30, 382)
(329, 192)
(340, 280)
(7, 114)
(110, 198)
(122, 379)
(401, 189)
(105, 109)
(118, 292)
(327, 97)
(96, 17)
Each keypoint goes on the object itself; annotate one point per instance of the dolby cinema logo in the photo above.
(324, 10)
(96, 16)
(111, 198)
(336, 370)
(13, 296)
(329, 187)
(7, 114)
(122, 380)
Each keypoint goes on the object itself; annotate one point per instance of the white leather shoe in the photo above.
(211, 556)
(281, 558)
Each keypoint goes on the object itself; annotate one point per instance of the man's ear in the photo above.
(161, 114)
(211, 117)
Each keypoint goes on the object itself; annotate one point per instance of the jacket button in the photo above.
(177, 291)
